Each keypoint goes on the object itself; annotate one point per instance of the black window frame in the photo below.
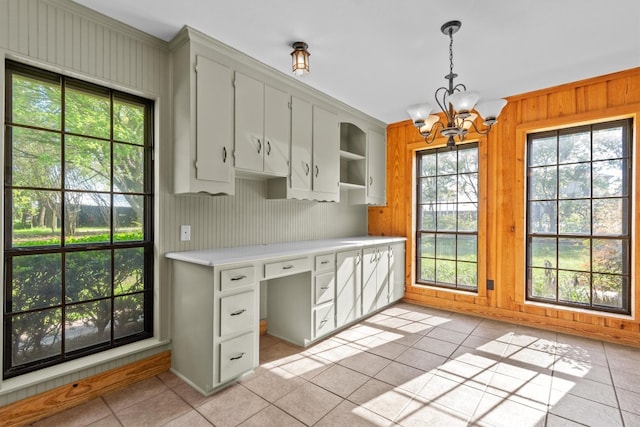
(551, 269)
(420, 231)
(144, 246)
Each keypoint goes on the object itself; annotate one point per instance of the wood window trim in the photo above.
(521, 131)
(481, 295)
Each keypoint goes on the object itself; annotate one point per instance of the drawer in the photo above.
(236, 278)
(324, 287)
(237, 313)
(236, 356)
(323, 320)
(325, 262)
(285, 268)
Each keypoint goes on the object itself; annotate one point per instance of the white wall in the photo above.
(62, 36)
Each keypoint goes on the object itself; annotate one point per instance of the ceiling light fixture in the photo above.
(456, 104)
(300, 56)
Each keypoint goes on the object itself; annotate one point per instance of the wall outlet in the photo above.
(185, 233)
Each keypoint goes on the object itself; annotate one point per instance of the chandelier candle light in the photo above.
(456, 104)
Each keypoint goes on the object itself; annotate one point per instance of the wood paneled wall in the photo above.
(502, 225)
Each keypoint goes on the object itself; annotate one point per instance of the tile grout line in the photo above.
(615, 389)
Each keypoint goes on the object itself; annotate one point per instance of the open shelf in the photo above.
(347, 155)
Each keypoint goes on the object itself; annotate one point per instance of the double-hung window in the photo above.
(447, 217)
(78, 243)
(579, 216)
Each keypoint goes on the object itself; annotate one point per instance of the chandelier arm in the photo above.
(478, 131)
(460, 87)
(444, 97)
(433, 132)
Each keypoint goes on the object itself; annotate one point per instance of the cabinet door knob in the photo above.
(268, 148)
(259, 146)
(317, 171)
(307, 169)
(370, 180)
(238, 312)
(224, 154)
(240, 356)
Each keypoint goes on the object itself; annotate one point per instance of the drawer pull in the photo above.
(240, 356)
(324, 262)
(323, 322)
(287, 267)
(238, 312)
(240, 277)
(324, 288)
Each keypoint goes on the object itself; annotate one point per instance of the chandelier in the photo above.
(456, 103)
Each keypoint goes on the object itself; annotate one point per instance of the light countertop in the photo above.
(211, 257)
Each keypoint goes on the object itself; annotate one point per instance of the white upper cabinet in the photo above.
(362, 165)
(326, 154)
(301, 143)
(262, 127)
(203, 126)
(277, 131)
(235, 117)
(376, 168)
(314, 167)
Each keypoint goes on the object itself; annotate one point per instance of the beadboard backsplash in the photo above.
(249, 218)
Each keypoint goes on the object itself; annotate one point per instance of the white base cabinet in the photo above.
(375, 278)
(215, 323)
(396, 271)
(311, 288)
(348, 287)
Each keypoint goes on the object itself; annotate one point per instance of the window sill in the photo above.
(445, 289)
(567, 309)
(55, 372)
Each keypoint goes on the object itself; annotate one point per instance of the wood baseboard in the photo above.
(59, 399)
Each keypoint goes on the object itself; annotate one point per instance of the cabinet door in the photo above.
(382, 277)
(249, 123)
(214, 132)
(326, 151)
(301, 139)
(396, 271)
(277, 131)
(348, 303)
(376, 168)
(369, 280)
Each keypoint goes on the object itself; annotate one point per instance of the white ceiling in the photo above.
(382, 55)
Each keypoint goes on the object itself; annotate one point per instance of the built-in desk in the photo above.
(315, 287)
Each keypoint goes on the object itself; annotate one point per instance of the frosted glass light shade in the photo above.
(490, 110)
(466, 122)
(463, 102)
(428, 124)
(419, 113)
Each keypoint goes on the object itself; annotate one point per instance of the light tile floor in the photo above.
(406, 366)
